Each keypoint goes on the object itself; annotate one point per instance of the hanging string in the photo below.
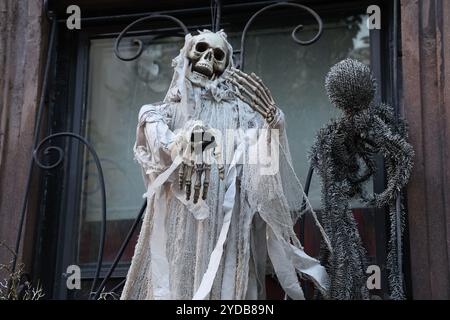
(215, 15)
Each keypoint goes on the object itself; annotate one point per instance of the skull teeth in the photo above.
(204, 68)
(199, 75)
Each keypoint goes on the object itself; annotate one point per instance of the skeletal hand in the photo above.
(197, 158)
(253, 92)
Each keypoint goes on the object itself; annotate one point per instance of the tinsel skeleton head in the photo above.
(350, 86)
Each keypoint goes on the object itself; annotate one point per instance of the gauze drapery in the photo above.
(218, 248)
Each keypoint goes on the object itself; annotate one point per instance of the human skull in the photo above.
(208, 55)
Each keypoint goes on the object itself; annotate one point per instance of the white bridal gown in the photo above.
(220, 248)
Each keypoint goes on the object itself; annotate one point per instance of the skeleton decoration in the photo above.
(220, 242)
(343, 155)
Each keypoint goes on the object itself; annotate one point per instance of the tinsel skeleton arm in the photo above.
(398, 155)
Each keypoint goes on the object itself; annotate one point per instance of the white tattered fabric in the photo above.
(221, 247)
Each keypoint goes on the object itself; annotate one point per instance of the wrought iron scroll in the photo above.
(294, 32)
(216, 14)
(139, 42)
(101, 178)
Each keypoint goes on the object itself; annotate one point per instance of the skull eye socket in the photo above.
(201, 46)
(219, 55)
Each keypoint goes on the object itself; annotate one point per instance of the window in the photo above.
(109, 93)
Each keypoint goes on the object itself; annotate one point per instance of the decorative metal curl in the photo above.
(294, 32)
(91, 149)
(139, 42)
(47, 151)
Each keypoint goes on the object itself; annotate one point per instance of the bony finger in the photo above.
(245, 76)
(241, 80)
(258, 87)
(237, 84)
(252, 92)
(252, 104)
(198, 181)
(221, 170)
(258, 79)
(261, 83)
(236, 70)
(188, 181)
(227, 74)
(251, 99)
(181, 175)
(206, 181)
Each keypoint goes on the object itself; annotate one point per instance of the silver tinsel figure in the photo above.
(343, 156)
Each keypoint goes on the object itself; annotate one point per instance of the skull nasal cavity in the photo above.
(208, 55)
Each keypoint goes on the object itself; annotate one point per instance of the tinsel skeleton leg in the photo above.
(394, 257)
(346, 265)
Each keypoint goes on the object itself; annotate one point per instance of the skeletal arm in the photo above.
(398, 154)
(253, 91)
